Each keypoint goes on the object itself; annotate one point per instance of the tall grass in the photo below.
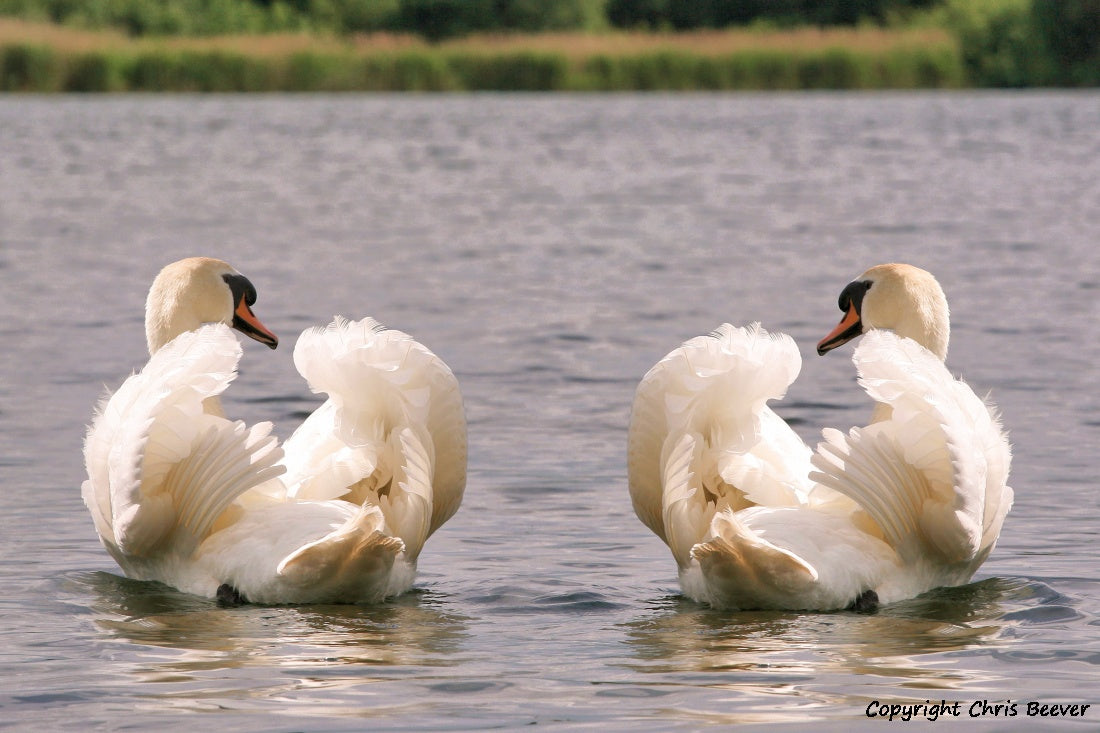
(38, 58)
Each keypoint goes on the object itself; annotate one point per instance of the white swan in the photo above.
(755, 519)
(182, 495)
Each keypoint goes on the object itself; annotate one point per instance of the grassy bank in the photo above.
(47, 58)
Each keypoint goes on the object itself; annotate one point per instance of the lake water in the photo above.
(550, 249)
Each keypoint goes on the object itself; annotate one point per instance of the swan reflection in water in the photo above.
(409, 630)
(904, 640)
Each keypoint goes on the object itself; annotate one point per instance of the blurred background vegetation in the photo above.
(456, 44)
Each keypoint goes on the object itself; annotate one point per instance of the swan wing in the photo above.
(159, 467)
(933, 474)
(320, 464)
(684, 512)
(393, 424)
(700, 430)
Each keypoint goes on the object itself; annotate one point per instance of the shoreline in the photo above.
(47, 58)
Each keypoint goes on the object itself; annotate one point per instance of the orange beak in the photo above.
(245, 321)
(849, 327)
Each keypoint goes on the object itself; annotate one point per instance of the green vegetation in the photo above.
(692, 14)
(798, 60)
(432, 19)
(1019, 43)
(433, 45)
(1069, 33)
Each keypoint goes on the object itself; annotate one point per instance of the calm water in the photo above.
(550, 249)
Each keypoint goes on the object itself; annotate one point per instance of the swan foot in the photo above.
(229, 597)
(867, 602)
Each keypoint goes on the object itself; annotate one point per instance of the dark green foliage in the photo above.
(1070, 34)
(416, 71)
(440, 19)
(836, 68)
(28, 67)
(997, 41)
(663, 70)
(95, 72)
(690, 14)
(152, 71)
(307, 71)
(828, 68)
(196, 71)
(920, 67)
(1009, 43)
(1016, 43)
(163, 17)
(521, 71)
(652, 14)
(33, 68)
(364, 16)
(433, 19)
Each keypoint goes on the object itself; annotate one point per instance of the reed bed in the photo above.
(43, 58)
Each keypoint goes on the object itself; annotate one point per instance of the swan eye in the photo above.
(852, 295)
(240, 286)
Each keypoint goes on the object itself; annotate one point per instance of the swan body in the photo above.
(757, 520)
(339, 513)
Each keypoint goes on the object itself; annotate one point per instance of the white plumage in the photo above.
(182, 495)
(755, 519)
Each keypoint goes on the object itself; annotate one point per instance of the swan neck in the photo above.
(184, 296)
(908, 301)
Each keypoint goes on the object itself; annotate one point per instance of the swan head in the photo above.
(901, 298)
(188, 293)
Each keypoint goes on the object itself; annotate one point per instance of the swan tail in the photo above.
(386, 392)
(795, 558)
(716, 387)
(743, 570)
(157, 462)
(353, 561)
(933, 474)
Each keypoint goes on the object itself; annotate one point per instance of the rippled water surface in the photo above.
(550, 249)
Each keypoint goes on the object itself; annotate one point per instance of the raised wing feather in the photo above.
(394, 410)
(933, 475)
(409, 509)
(320, 464)
(715, 388)
(683, 509)
(158, 466)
